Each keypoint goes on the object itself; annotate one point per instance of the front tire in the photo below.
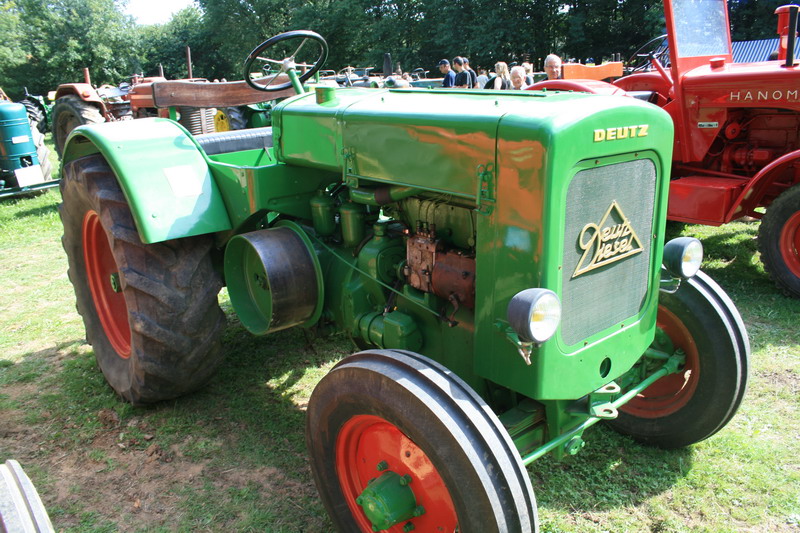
(689, 406)
(384, 412)
(779, 241)
(69, 113)
(150, 310)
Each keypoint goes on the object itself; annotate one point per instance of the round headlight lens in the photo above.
(683, 257)
(534, 314)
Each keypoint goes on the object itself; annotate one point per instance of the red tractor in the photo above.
(737, 127)
(81, 103)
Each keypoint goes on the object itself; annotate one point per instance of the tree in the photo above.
(12, 51)
(63, 36)
(754, 19)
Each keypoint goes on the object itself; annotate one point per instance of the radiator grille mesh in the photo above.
(606, 292)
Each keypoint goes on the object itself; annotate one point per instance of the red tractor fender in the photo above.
(84, 91)
(586, 86)
(757, 186)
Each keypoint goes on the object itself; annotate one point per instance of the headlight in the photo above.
(682, 257)
(534, 314)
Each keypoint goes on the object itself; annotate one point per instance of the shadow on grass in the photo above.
(243, 435)
(611, 472)
(37, 211)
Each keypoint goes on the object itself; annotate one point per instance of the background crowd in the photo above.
(458, 74)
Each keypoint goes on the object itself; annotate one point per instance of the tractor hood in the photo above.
(762, 84)
(370, 133)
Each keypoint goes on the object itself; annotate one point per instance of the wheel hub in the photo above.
(388, 500)
(103, 277)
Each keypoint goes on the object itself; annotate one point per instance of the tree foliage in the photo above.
(48, 42)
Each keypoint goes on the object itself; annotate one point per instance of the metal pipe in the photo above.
(670, 367)
(792, 36)
(86, 79)
(295, 80)
(189, 61)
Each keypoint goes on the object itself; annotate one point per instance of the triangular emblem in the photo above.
(605, 243)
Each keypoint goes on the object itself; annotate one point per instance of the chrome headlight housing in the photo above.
(683, 256)
(534, 314)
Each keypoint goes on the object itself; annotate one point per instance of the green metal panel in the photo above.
(417, 138)
(163, 173)
(522, 243)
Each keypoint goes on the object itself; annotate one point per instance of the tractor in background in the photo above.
(502, 270)
(77, 104)
(737, 127)
(24, 158)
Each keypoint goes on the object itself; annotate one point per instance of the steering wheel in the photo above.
(287, 45)
(656, 48)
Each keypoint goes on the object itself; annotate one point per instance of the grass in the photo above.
(232, 456)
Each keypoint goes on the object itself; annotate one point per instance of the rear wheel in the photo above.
(150, 310)
(69, 113)
(779, 241)
(35, 115)
(396, 438)
(693, 404)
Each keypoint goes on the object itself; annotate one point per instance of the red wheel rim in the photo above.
(790, 243)
(364, 442)
(670, 393)
(100, 266)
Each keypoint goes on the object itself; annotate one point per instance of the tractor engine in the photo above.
(752, 139)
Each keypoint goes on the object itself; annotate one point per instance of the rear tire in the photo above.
(69, 113)
(687, 407)
(35, 115)
(779, 241)
(155, 329)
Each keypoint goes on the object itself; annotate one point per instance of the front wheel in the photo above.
(693, 404)
(396, 438)
(779, 241)
(150, 310)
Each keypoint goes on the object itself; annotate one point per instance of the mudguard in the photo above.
(163, 173)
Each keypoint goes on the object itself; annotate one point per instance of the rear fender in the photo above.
(84, 91)
(163, 173)
(753, 194)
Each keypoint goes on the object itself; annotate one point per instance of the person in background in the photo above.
(552, 67)
(472, 75)
(482, 78)
(501, 79)
(463, 79)
(449, 76)
(518, 78)
(528, 73)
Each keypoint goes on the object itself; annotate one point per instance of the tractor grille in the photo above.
(600, 290)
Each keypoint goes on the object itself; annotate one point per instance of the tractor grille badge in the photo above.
(605, 243)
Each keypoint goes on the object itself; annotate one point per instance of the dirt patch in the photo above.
(127, 481)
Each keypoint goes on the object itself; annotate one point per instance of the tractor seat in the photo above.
(224, 142)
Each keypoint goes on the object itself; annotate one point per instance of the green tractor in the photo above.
(24, 158)
(499, 263)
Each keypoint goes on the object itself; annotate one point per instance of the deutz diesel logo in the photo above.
(611, 240)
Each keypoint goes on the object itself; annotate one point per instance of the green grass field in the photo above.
(232, 456)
